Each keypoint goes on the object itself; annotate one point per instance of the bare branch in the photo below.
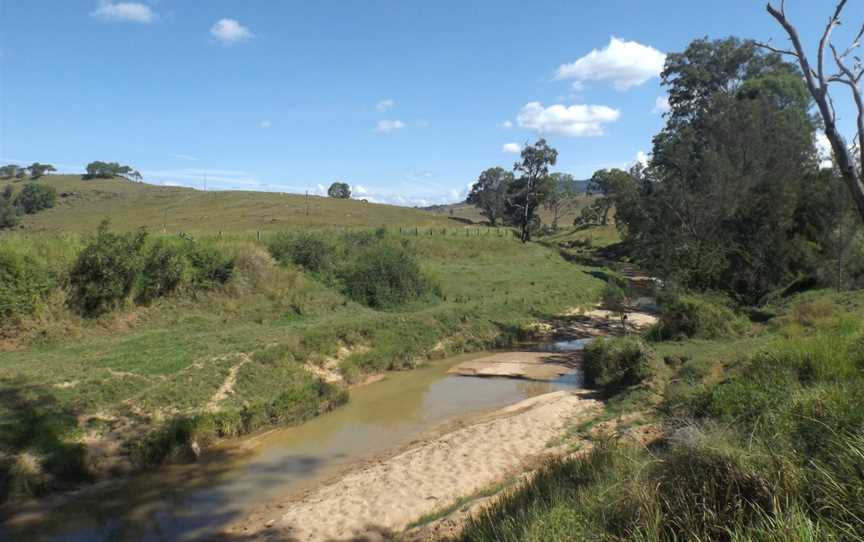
(776, 50)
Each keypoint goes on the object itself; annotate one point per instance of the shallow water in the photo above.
(192, 502)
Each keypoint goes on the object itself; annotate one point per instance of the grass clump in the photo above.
(697, 317)
(612, 365)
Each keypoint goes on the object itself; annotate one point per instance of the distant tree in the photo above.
(607, 183)
(110, 170)
(8, 210)
(10, 171)
(38, 170)
(35, 197)
(339, 191)
(532, 187)
(562, 196)
(489, 193)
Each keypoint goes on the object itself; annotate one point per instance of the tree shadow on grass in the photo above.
(36, 441)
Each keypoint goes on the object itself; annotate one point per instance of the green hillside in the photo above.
(129, 205)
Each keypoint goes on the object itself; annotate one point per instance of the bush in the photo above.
(23, 282)
(384, 276)
(692, 316)
(8, 210)
(106, 270)
(35, 197)
(164, 269)
(614, 364)
(313, 252)
(210, 267)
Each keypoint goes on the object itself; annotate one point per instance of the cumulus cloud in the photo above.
(623, 64)
(506, 125)
(384, 105)
(661, 105)
(511, 148)
(823, 149)
(387, 126)
(359, 190)
(124, 12)
(642, 158)
(573, 121)
(230, 31)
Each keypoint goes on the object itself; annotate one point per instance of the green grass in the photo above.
(81, 205)
(157, 366)
(763, 442)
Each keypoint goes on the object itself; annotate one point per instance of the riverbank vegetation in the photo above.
(165, 344)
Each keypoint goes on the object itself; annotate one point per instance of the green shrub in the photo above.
(614, 364)
(23, 282)
(8, 211)
(164, 269)
(210, 267)
(314, 252)
(692, 316)
(385, 276)
(106, 270)
(35, 197)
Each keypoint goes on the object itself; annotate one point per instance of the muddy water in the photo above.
(192, 502)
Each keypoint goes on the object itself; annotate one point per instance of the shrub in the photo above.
(35, 197)
(23, 282)
(105, 271)
(692, 316)
(8, 210)
(314, 252)
(614, 364)
(164, 269)
(210, 267)
(384, 276)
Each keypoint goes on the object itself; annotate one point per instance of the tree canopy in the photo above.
(532, 187)
(489, 193)
(110, 170)
(339, 190)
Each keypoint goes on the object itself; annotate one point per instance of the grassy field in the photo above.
(83, 204)
(468, 213)
(150, 375)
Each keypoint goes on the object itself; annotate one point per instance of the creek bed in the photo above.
(192, 502)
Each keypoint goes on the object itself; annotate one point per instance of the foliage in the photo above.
(313, 251)
(562, 196)
(532, 187)
(694, 316)
(110, 170)
(23, 283)
(35, 197)
(611, 185)
(489, 193)
(38, 170)
(339, 191)
(612, 365)
(106, 271)
(12, 171)
(165, 267)
(8, 209)
(385, 276)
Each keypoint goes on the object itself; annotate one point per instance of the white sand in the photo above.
(388, 495)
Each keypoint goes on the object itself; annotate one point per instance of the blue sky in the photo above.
(406, 100)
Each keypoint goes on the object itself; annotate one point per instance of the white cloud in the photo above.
(642, 158)
(230, 31)
(661, 105)
(359, 190)
(623, 64)
(124, 12)
(506, 125)
(573, 121)
(386, 126)
(384, 105)
(511, 148)
(265, 124)
(823, 149)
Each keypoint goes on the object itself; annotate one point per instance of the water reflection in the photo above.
(193, 502)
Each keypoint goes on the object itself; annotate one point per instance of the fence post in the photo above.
(258, 234)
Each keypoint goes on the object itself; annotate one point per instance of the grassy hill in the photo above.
(83, 204)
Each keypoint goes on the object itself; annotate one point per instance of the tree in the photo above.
(339, 191)
(8, 211)
(563, 196)
(489, 193)
(38, 170)
(818, 85)
(35, 197)
(11, 171)
(532, 187)
(110, 170)
(607, 183)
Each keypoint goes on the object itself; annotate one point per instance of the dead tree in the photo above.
(818, 84)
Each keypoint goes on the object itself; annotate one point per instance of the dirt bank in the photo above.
(385, 496)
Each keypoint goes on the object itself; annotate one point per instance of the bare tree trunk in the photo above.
(817, 84)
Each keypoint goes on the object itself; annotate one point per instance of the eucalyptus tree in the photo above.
(532, 186)
(489, 193)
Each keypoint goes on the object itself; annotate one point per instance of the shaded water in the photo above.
(192, 502)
